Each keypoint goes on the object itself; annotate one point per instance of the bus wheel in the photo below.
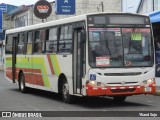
(119, 99)
(21, 83)
(67, 98)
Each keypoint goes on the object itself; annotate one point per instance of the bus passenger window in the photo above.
(21, 38)
(39, 43)
(65, 42)
(51, 43)
(29, 43)
(9, 44)
(38, 47)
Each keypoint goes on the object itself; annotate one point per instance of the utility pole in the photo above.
(102, 6)
(153, 5)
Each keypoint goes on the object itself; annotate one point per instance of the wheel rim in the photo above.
(65, 90)
(21, 82)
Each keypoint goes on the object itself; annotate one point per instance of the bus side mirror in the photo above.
(83, 36)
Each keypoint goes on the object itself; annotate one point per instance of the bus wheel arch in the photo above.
(21, 82)
(63, 89)
(61, 79)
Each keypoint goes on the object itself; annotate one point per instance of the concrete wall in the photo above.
(82, 7)
(130, 6)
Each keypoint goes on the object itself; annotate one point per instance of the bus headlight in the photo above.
(96, 84)
(150, 81)
(93, 83)
(145, 82)
(100, 84)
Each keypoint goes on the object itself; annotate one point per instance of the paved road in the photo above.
(12, 100)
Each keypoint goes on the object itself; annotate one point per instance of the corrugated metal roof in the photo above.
(19, 10)
(154, 16)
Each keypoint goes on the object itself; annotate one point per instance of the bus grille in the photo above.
(119, 83)
(123, 90)
(123, 74)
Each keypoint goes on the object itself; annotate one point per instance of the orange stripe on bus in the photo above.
(8, 68)
(50, 64)
(9, 74)
(30, 78)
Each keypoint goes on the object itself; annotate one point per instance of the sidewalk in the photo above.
(157, 79)
(157, 90)
(1, 65)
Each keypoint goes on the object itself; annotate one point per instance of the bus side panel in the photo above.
(43, 71)
(40, 71)
(65, 64)
(46, 71)
(53, 71)
(8, 67)
(21, 65)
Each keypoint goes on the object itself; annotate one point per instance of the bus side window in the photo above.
(8, 47)
(65, 41)
(39, 42)
(21, 38)
(51, 43)
(29, 42)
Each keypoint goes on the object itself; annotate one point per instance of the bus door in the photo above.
(14, 53)
(78, 60)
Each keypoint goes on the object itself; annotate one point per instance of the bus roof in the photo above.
(47, 24)
(59, 22)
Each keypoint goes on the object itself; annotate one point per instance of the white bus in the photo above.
(104, 54)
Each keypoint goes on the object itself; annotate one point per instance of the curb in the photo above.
(1, 67)
(157, 93)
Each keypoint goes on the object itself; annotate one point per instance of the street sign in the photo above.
(1, 16)
(3, 7)
(42, 9)
(65, 7)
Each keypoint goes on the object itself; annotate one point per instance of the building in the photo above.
(6, 24)
(140, 6)
(130, 6)
(24, 15)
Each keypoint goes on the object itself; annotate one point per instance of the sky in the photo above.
(21, 2)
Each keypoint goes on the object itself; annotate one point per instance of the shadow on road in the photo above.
(86, 102)
(106, 102)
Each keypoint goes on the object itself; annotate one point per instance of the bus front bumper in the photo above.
(119, 90)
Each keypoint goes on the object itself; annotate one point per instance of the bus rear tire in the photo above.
(119, 99)
(67, 98)
(21, 83)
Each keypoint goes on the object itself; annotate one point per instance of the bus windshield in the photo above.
(120, 47)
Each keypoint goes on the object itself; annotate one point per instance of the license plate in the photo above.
(147, 89)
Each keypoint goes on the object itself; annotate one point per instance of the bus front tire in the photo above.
(67, 98)
(21, 82)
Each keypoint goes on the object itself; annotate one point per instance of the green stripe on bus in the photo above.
(35, 63)
(55, 64)
(39, 63)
